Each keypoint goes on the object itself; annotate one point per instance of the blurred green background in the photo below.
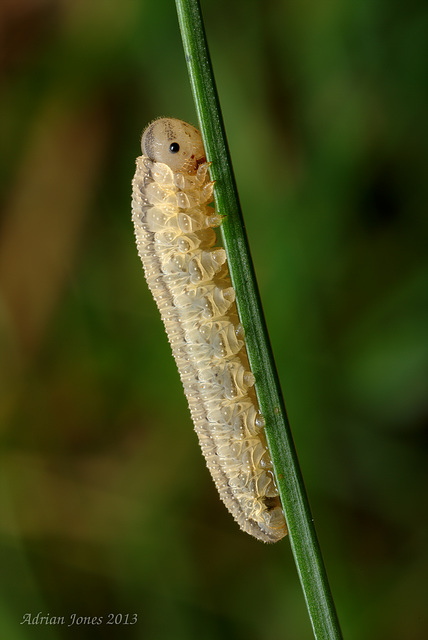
(106, 504)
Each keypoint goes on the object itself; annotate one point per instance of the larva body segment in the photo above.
(188, 277)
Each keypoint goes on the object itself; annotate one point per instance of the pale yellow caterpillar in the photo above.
(190, 283)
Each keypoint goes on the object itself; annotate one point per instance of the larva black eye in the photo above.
(174, 147)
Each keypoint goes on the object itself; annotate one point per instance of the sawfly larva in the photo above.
(189, 279)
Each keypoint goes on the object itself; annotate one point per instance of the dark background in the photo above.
(106, 504)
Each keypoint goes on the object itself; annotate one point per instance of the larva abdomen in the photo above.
(189, 280)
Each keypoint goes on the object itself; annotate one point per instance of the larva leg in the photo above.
(215, 220)
(202, 174)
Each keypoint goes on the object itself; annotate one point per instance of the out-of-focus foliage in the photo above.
(106, 505)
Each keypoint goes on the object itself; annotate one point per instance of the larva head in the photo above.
(174, 142)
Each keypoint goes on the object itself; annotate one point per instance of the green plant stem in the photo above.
(303, 538)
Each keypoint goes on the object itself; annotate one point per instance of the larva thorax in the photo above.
(188, 277)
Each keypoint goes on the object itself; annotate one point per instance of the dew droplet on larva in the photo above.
(191, 285)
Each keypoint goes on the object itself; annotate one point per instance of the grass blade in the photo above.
(303, 538)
